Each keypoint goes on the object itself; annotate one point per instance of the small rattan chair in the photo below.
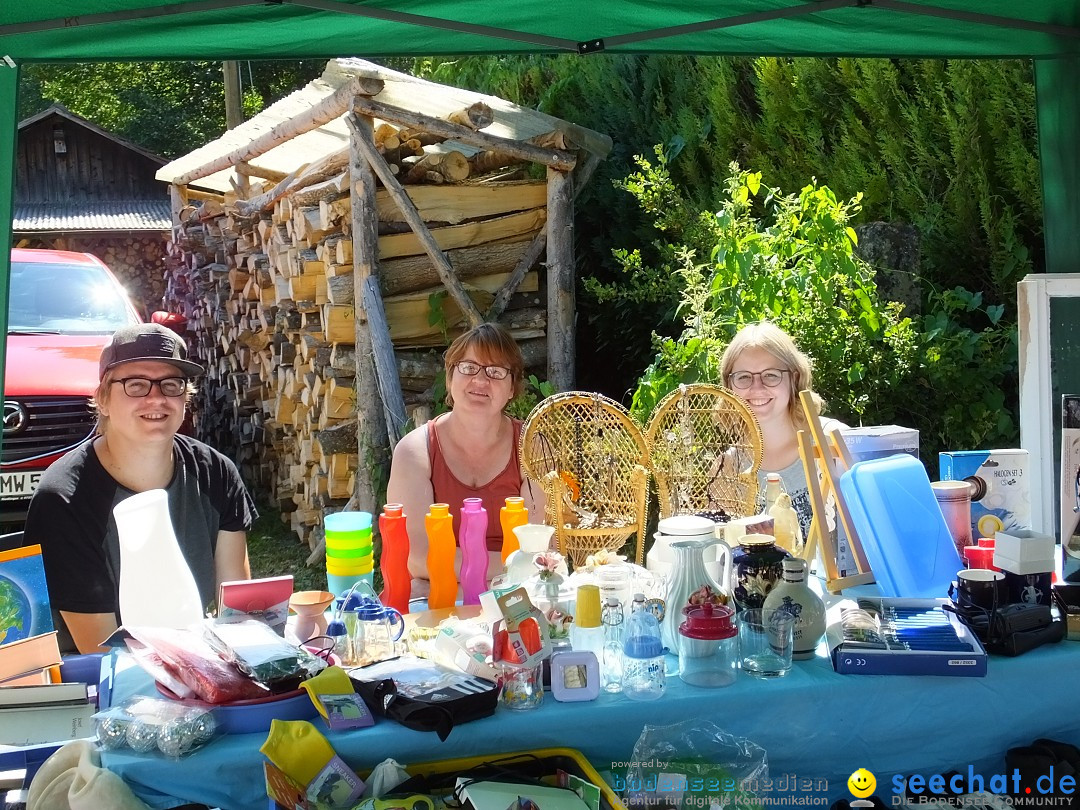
(592, 459)
(705, 449)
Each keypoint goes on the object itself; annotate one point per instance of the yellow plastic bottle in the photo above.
(786, 525)
(440, 556)
(511, 515)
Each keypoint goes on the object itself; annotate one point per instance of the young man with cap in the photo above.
(140, 401)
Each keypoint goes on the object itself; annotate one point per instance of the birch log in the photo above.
(560, 267)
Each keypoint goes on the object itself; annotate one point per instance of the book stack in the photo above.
(45, 713)
(28, 646)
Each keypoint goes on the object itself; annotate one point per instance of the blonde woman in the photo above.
(763, 365)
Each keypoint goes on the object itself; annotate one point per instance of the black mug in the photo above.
(981, 587)
(1029, 589)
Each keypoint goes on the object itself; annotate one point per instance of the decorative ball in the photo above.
(112, 733)
(204, 727)
(141, 736)
(175, 738)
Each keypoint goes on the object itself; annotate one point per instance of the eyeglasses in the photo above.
(141, 386)
(471, 369)
(770, 377)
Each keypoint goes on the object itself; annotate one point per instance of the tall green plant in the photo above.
(765, 255)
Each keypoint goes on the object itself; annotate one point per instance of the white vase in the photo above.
(533, 539)
(793, 595)
(157, 588)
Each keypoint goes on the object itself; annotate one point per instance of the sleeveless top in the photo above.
(448, 489)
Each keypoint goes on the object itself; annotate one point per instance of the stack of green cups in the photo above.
(349, 556)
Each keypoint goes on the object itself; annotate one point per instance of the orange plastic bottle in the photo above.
(394, 562)
(511, 515)
(440, 556)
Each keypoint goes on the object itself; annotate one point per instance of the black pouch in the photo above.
(424, 696)
(1013, 629)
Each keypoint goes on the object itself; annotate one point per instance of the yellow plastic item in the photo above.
(786, 525)
(331, 681)
(297, 748)
(440, 557)
(511, 515)
(345, 568)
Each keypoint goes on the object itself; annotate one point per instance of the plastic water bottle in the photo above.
(611, 667)
(643, 664)
(394, 562)
(440, 557)
(511, 515)
(474, 554)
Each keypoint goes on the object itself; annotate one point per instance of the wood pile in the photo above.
(265, 277)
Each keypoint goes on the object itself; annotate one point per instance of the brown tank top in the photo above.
(448, 489)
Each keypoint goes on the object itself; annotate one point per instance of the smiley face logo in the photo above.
(861, 783)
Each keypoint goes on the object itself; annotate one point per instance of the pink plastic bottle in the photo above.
(394, 562)
(474, 554)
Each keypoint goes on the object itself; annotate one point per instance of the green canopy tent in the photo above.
(1047, 31)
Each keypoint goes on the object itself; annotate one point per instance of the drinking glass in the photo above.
(765, 642)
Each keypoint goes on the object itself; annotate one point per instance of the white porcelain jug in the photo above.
(157, 588)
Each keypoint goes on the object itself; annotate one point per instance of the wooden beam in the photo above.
(560, 274)
(412, 217)
(246, 169)
(370, 430)
(322, 113)
(555, 158)
(385, 363)
(524, 265)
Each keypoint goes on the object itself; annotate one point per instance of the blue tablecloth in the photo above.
(814, 724)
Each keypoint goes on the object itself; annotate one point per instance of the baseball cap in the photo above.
(146, 341)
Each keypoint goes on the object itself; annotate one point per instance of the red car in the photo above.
(62, 308)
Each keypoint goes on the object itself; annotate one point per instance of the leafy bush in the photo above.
(790, 259)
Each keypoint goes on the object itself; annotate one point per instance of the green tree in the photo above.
(167, 107)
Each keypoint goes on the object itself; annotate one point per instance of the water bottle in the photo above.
(643, 662)
(611, 666)
(474, 554)
(394, 562)
(512, 515)
(440, 557)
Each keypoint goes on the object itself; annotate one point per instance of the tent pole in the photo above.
(83, 20)
(9, 101)
(1057, 102)
(977, 18)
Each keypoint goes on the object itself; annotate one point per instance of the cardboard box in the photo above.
(1023, 551)
(1001, 496)
(879, 441)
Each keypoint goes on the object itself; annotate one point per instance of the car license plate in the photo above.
(15, 485)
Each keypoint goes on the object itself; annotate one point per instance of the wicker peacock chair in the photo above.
(705, 447)
(593, 461)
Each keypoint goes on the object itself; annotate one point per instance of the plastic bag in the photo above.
(188, 657)
(262, 654)
(147, 725)
(691, 765)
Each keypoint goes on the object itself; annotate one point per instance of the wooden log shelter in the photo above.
(326, 251)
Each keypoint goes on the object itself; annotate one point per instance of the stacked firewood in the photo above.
(265, 278)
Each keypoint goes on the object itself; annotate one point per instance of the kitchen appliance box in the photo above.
(1001, 496)
(879, 441)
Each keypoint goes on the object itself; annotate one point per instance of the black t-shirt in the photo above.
(71, 517)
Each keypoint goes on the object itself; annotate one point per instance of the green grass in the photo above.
(274, 550)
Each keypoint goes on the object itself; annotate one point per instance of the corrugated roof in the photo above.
(97, 215)
(400, 90)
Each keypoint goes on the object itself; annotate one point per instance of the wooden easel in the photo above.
(828, 451)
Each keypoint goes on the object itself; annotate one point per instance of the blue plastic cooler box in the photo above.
(903, 532)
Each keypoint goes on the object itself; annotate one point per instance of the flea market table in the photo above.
(816, 726)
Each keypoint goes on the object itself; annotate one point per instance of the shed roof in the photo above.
(63, 112)
(98, 215)
(400, 90)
